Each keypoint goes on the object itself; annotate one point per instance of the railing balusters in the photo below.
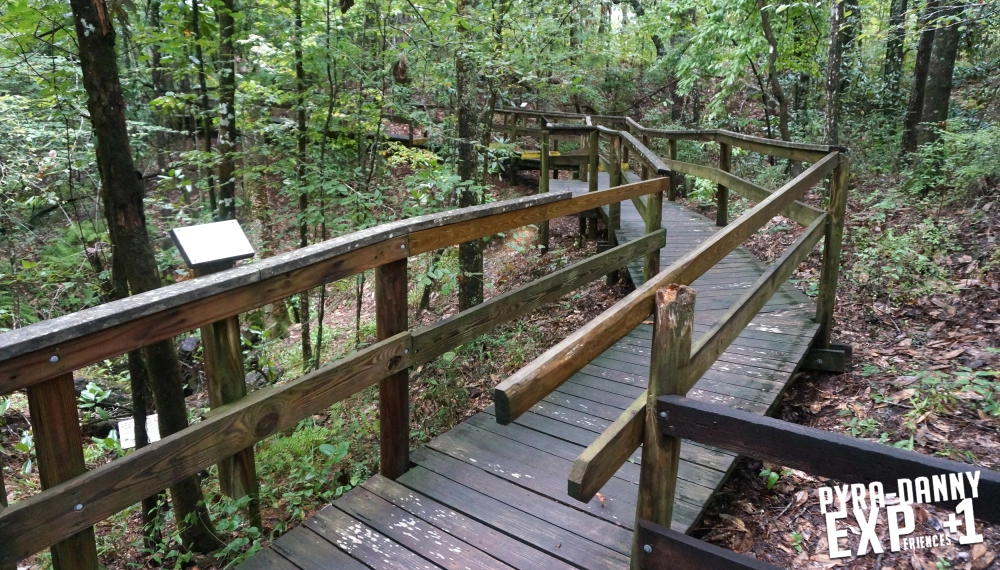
(55, 423)
(394, 391)
(831, 252)
(671, 354)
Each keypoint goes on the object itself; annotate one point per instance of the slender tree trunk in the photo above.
(892, 68)
(157, 77)
(227, 111)
(915, 103)
(121, 194)
(470, 254)
(940, 73)
(300, 179)
(206, 118)
(834, 73)
(772, 73)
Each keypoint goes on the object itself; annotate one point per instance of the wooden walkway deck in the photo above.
(490, 496)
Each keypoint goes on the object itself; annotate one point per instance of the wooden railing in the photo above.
(42, 358)
(676, 366)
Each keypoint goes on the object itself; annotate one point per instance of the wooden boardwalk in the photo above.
(490, 496)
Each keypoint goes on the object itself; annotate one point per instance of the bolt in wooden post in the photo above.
(722, 192)
(593, 142)
(672, 155)
(543, 187)
(394, 391)
(55, 423)
(654, 217)
(223, 350)
(671, 354)
(831, 252)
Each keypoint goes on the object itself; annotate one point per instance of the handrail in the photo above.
(527, 386)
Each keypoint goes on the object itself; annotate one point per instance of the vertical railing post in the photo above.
(394, 391)
(673, 327)
(55, 423)
(543, 187)
(645, 169)
(832, 242)
(223, 354)
(3, 505)
(513, 128)
(594, 142)
(672, 155)
(615, 179)
(722, 191)
(654, 221)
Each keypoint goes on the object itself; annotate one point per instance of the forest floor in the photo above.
(924, 377)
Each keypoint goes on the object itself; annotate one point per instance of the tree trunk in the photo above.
(834, 72)
(227, 111)
(157, 78)
(915, 104)
(892, 68)
(206, 120)
(121, 194)
(940, 73)
(772, 73)
(300, 180)
(470, 254)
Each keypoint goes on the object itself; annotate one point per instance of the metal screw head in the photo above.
(402, 246)
(647, 548)
(819, 361)
(406, 351)
(79, 506)
(54, 358)
(663, 415)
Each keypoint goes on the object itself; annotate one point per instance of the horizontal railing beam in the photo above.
(817, 452)
(539, 378)
(603, 458)
(666, 549)
(434, 340)
(30, 525)
(714, 342)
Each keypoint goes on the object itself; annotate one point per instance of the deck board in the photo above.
(489, 496)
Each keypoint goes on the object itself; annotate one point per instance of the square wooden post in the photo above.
(593, 142)
(673, 327)
(672, 155)
(832, 243)
(645, 169)
(654, 221)
(615, 179)
(543, 187)
(394, 391)
(3, 505)
(55, 423)
(722, 191)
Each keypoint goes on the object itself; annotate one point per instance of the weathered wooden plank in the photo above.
(816, 451)
(429, 240)
(520, 391)
(303, 548)
(52, 515)
(665, 549)
(538, 532)
(413, 533)
(55, 423)
(368, 546)
(268, 559)
(491, 541)
(778, 148)
(721, 335)
(431, 341)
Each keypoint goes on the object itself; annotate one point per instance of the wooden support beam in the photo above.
(226, 379)
(830, 273)
(674, 182)
(673, 327)
(722, 191)
(817, 452)
(615, 179)
(593, 143)
(836, 359)
(55, 423)
(3, 505)
(653, 217)
(543, 187)
(50, 516)
(665, 549)
(434, 340)
(714, 342)
(540, 377)
(393, 391)
(602, 459)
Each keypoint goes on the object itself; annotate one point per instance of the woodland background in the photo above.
(120, 120)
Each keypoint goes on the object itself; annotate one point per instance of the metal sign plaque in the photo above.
(213, 243)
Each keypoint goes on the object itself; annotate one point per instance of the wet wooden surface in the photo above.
(489, 496)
